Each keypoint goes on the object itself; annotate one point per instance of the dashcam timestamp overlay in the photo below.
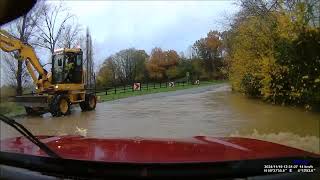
(300, 166)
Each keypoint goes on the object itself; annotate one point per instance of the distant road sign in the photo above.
(171, 84)
(136, 86)
(197, 82)
(187, 74)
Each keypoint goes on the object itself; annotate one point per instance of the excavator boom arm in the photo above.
(9, 43)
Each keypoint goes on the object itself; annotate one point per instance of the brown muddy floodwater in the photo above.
(211, 111)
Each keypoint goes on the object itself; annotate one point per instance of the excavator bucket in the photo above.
(33, 101)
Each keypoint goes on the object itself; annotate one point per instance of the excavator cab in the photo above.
(67, 66)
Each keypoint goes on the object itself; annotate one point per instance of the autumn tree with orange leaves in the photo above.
(162, 64)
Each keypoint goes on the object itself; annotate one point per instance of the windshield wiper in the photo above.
(26, 133)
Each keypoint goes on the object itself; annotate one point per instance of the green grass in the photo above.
(128, 93)
(11, 109)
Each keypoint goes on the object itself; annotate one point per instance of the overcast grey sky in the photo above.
(116, 25)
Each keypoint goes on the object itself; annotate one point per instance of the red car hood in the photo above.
(143, 150)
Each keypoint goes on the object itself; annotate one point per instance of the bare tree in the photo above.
(258, 7)
(127, 65)
(71, 36)
(262, 8)
(23, 28)
(53, 25)
(190, 52)
(10, 65)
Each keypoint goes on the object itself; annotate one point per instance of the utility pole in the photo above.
(87, 58)
(91, 62)
(90, 80)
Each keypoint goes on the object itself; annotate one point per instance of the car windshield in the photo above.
(191, 81)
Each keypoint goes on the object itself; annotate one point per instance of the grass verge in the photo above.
(11, 109)
(151, 90)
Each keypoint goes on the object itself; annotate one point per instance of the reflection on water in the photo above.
(267, 118)
(309, 143)
(212, 111)
(284, 125)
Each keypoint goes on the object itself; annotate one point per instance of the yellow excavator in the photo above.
(57, 90)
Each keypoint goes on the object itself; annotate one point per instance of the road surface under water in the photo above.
(211, 111)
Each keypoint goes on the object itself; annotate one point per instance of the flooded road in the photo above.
(212, 111)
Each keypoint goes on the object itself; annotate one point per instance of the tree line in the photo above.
(204, 60)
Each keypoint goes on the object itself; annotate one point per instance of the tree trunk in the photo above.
(19, 70)
(19, 79)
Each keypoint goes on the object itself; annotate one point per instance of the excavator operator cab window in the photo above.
(79, 60)
(59, 62)
(74, 67)
(67, 67)
(57, 68)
